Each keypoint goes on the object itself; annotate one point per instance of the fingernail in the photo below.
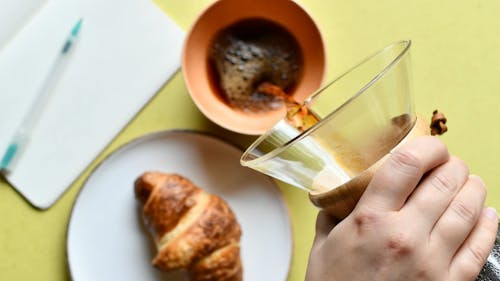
(478, 178)
(490, 213)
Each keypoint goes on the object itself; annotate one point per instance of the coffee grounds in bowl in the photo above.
(249, 53)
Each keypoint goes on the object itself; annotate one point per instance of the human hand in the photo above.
(420, 218)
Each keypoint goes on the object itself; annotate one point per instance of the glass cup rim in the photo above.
(378, 76)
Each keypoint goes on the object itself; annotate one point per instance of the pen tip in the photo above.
(77, 27)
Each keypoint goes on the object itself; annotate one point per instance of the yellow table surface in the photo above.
(456, 68)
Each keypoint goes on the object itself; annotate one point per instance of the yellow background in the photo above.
(456, 68)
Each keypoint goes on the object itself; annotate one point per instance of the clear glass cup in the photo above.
(373, 112)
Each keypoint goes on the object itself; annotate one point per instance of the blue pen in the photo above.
(23, 132)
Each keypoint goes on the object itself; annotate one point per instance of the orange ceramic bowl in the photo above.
(223, 13)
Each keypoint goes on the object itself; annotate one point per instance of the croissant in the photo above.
(192, 229)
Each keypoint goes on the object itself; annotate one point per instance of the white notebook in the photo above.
(125, 52)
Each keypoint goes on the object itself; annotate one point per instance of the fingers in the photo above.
(471, 257)
(400, 174)
(433, 195)
(460, 217)
(324, 224)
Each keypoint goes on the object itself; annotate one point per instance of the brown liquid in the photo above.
(249, 53)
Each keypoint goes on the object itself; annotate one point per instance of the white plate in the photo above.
(106, 239)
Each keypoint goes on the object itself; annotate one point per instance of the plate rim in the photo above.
(153, 135)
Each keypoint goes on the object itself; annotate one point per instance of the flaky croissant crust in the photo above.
(192, 229)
